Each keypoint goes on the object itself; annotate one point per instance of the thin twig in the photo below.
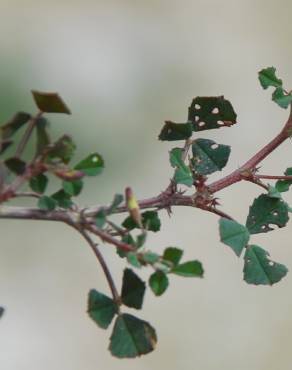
(27, 134)
(102, 262)
(270, 177)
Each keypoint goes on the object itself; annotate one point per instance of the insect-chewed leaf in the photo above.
(233, 234)
(284, 185)
(133, 290)
(172, 255)
(50, 102)
(172, 131)
(158, 282)
(92, 165)
(183, 174)
(266, 211)
(281, 98)
(208, 113)
(208, 156)
(259, 269)
(267, 77)
(189, 269)
(132, 337)
(18, 120)
(101, 308)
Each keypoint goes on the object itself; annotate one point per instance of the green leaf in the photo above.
(47, 203)
(173, 255)
(131, 337)
(233, 234)
(150, 257)
(141, 239)
(208, 113)
(259, 269)
(62, 149)
(176, 131)
(100, 218)
(63, 199)
(50, 102)
(284, 185)
(189, 269)
(133, 289)
(43, 138)
(39, 183)
(268, 78)
(118, 199)
(133, 259)
(72, 188)
(101, 308)
(281, 98)
(209, 157)
(92, 165)
(274, 192)
(10, 128)
(266, 211)
(15, 165)
(183, 174)
(158, 282)
(150, 221)
(5, 144)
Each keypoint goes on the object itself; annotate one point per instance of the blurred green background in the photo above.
(123, 67)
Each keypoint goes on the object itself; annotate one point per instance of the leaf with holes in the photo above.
(267, 77)
(158, 282)
(266, 211)
(50, 102)
(259, 269)
(10, 128)
(284, 185)
(208, 156)
(132, 337)
(133, 289)
(233, 234)
(208, 113)
(281, 98)
(183, 174)
(101, 308)
(175, 131)
(91, 165)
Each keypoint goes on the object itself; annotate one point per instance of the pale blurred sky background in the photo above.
(124, 67)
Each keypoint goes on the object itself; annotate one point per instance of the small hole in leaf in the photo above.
(215, 110)
(264, 227)
(271, 263)
(197, 106)
(214, 146)
(197, 118)
(95, 159)
(202, 123)
(220, 123)
(275, 213)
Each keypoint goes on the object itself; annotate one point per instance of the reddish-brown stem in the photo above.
(27, 134)
(103, 265)
(270, 177)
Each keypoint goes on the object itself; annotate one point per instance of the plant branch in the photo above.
(102, 262)
(27, 134)
(271, 177)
